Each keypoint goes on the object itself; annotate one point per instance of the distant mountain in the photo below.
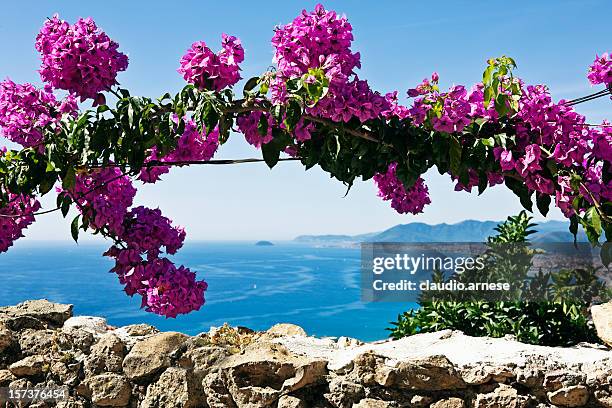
(467, 231)
(464, 231)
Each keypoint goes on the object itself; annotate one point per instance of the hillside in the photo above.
(464, 231)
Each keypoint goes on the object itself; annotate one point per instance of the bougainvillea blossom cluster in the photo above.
(16, 216)
(322, 39)
(600, 72)
(26, 110)
(79, 58)
(192, 145)
(206, 70)
(147, 231)
(403, 200)
(103, 196)
(165, 289)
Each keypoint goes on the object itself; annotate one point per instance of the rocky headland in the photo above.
(43, 345)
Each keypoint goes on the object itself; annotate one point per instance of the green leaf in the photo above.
(251, 84)
(455, 155)
(543, 203)
(69, 179)
(521, 191)
(74, 228)
(262, 125)
(574, 226)
(489, 142)
(270, 153)
(593, 218)
(293, 114)
(65, 206)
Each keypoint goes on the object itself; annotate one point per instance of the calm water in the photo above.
(316, 288)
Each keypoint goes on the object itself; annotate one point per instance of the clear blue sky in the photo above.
(400, 42)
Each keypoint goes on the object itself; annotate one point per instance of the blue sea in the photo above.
(252, 286)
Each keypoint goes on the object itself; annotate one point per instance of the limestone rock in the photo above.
(94, 325)
(31, 366)
(286, 329)
(33, 341)
(76, 338)
(573, 396)
(175, 388)
(343, 393)
(216, 392)
(35, 314)
(66, 372)
(602, 318)
(133, 333)
(5, 377)
(287, 401)
(429, 374)
(150, 356)
(557, 379)
(264, 370)
(420, 401)
(7, 339)
(202, 359)
(449, 403)
(70, 403)
(503, 396)
(373, 403)
(106, 355)
(604, 398)
(109, 390)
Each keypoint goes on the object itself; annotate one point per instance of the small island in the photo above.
(264, 243)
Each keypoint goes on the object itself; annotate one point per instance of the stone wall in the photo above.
(136, 366)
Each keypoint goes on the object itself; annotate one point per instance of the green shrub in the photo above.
(551, 320)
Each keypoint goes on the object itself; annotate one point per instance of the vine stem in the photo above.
(600, 211)
(242, 106)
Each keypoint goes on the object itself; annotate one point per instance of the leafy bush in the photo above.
(551, 320)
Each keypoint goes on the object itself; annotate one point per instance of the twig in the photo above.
(600, 211)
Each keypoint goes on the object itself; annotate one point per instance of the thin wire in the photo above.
(588, 98)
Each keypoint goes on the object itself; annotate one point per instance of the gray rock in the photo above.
(150, 356)
(430, 374)
(132, 334)
(573, 396)
(216, 392)
(106, 355)
(5, 377)
(449, 403)
(94, 325)
(420, 401)
(76, 338)
(503, 396)
(602, 318)
(109, 390)
(33, 341)
(287, 401)
(31, 366)
(7, 339)
(35, 314)
(175, 388)
(286, 329)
